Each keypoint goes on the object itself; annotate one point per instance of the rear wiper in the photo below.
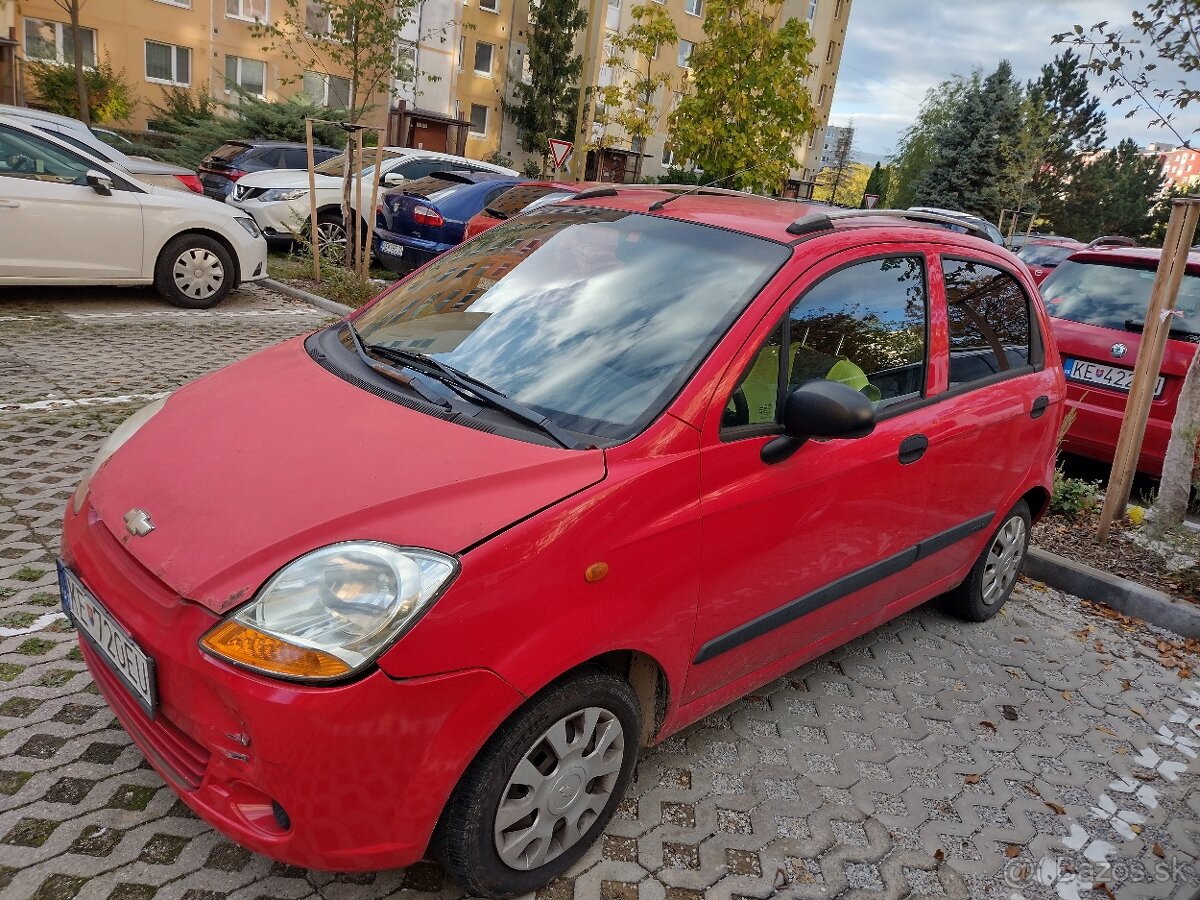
(472, 387)
(1134, 325)
(394, 375)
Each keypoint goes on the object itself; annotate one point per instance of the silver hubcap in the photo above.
(1003, 560)
(333, 240)
(198, 273)
(560, 787)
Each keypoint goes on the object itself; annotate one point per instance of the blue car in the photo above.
(427, 216)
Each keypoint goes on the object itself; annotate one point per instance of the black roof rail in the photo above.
(611, 190)
(824, 221)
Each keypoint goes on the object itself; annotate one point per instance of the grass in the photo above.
(336, 284)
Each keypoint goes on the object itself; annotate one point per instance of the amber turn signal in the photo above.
(254, 649)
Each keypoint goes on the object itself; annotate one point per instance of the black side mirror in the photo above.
(100, 183)
(821, 409)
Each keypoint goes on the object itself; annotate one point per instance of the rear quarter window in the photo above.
(989, 321)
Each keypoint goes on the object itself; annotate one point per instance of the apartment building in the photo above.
(623, 159)
(1180, 165)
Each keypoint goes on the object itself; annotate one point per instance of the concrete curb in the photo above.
(338, 309)
(1123, 595)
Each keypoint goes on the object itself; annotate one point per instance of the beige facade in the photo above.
(484, 42)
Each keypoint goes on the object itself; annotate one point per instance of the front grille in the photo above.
(247, 193)
(185, 759)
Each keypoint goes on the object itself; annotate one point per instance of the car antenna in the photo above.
(659, 204)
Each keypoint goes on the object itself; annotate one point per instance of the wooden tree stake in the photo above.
(312, 202)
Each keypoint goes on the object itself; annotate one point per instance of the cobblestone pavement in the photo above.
(1026, 757)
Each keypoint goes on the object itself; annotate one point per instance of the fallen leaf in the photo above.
(986, 724)
(1126, 684)
(1021, 640)
(1066, 695)
(1032, 790)
(939, 854)
(1184, 672)
(1057, 807)
(1010, 712)
(1163, 646)
(1012, 851)
(1106, 730)
(1123, 750)
(1101, 886)
(971, 779)
(1137, 712)
(1157, 850)
(1135, 828)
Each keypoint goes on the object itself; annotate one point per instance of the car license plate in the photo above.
(391, 249)
(109, 639)
(1115, 377)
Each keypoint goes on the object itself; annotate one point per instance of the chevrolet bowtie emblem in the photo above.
(137, 522)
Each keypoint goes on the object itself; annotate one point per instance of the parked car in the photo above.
(278, 199)
(520, 198)
(70, 218)
(428, 216)
(1112, 240)
(234, 160)
(978, 221)
(1041, 255)
(1098, 300)
(596, 473)
(100, 143)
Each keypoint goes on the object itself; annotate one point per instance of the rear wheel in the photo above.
(995, 573)
(194, 271)
(543, 788)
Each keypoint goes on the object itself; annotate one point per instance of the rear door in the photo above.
(53, 224)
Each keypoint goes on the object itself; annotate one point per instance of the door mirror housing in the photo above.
(820, 409)
(392, 179)
(99, 182)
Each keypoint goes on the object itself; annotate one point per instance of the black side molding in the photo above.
(843, 587)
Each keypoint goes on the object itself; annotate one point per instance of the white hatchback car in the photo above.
(278, 198)
(68, 218)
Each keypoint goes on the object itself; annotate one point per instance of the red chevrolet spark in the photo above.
(1098, 301)
(425, 581)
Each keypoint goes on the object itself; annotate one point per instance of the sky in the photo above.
(897, 49)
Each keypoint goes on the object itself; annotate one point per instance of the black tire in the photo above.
(180, 285)
(986, 589)
(465, 842)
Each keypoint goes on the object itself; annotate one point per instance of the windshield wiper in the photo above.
(390, 373)
(473, 388)
(1134, 325)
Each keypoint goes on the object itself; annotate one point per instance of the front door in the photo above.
(796, 552)
(53, 224)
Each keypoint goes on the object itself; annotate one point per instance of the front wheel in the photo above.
(194, 271)
(995, 572)
(542, 789)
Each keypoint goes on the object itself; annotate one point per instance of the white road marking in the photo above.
(194, 314)
(82, 401)
(37, 625)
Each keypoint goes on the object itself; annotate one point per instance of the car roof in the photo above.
(765, 217)
(1144, 257)
(1054, 242)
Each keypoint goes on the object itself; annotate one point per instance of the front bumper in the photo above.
(251, 254)
(278, 219)
(349, 778)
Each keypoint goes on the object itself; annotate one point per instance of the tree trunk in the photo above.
(81, 89)
(1176, 484)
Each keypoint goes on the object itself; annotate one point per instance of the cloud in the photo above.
(897, 49)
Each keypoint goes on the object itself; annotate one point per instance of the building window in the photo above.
(668, 157)
(685, 54)
(613, 19)
(830, 50)
(492, 6)
(821, 96)
(248, 74)
(247, 9)
(462, 51)
(55, 42)
(186, 4)
(693, 7)
(483, 58)
(837, 9)
(168, 64)
(327, 90)
(812, 9)
(317, 18)
(479, 117)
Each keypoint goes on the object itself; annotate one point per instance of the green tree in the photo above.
(878, 182)
(73, 33)
(344, 38)
(747, 106)
(917, 149)
(1115, 192)
(975, 152)
(828, 183)
(109, 96)
(547, 99)
(843, 186)
(1140, 69)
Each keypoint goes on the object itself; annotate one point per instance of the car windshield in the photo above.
(336, 165)
(1110, 295)
(593, 317)
(1045, 254)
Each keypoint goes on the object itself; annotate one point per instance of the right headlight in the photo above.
(283, 194)
(329, 613)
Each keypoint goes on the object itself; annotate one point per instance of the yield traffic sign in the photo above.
(869, 200)
(559, 151)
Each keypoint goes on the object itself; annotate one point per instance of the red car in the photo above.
(528, 196)
(1098, 300)
(1041, 255)
(426, 580)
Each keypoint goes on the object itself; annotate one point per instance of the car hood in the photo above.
(286, 178)
(254, 465)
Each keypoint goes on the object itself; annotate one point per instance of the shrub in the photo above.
(110, 98)
(1074, 497)
(532, 169)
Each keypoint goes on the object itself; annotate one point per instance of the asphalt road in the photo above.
(1030, 756)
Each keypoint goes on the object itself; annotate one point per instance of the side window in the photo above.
(864, 325)
(989, 321)
(419, 168)
(297, 159)
(26, 156)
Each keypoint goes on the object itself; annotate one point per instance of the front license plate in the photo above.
(1115, 377)
(391, 249)
(109, 639)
